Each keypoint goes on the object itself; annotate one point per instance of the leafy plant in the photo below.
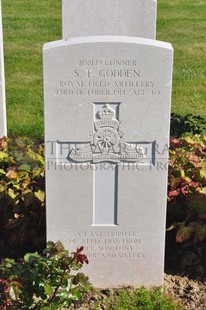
(22, 193)
(190, 124)
(153, 299)
(22, 197)
(187, 189)
(43, 282)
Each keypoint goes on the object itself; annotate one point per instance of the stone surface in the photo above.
(109, 17)
(107, 116)
(3, 128)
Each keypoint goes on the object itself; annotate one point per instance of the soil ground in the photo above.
(191, 293)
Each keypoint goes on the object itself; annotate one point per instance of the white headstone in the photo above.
(109, 17)
(107, 116)
(3, 127)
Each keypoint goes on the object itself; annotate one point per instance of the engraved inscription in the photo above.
(110, 245)
(107, 77)
(107, 62)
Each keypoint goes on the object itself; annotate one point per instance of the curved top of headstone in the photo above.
(136, 18)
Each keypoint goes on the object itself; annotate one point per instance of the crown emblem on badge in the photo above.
(106, 118)
(106, 112)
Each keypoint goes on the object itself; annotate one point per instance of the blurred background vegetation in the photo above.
(29, 24)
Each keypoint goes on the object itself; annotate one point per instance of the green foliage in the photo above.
(22, 193)
(191, 124)
(141, 299)
(187, 189)
(22, 197)
(43, 282)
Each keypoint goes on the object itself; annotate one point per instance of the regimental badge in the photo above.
(108, 144)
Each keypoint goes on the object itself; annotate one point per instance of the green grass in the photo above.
(28, 24)
(183, 23)
(132, 299)
(142, 299)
